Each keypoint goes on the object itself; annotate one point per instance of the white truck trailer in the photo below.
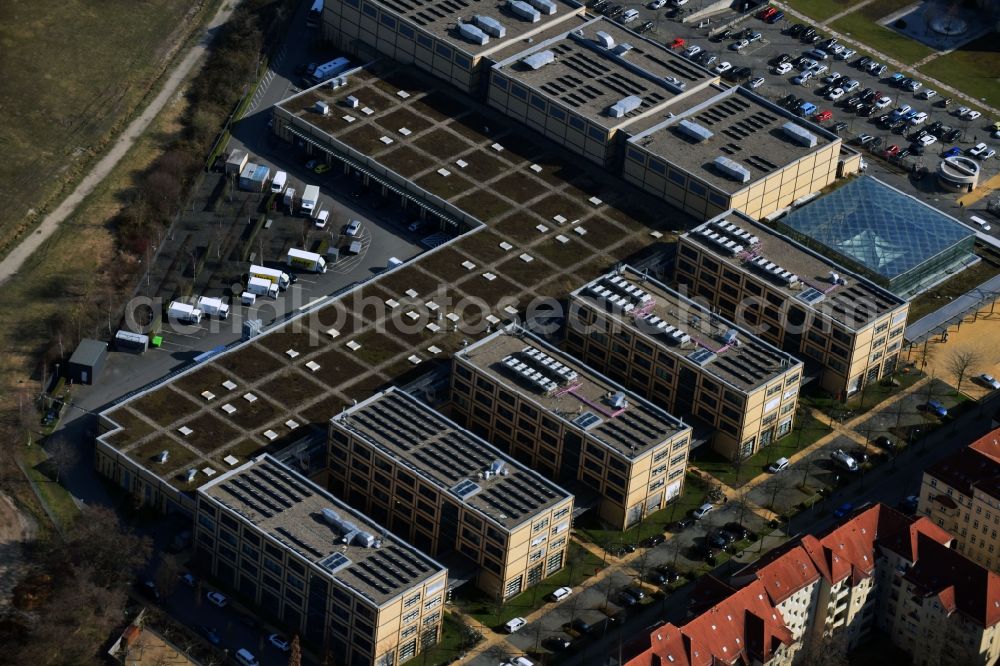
(309, 261)
(310, 199)
(273, 275)
(279, 182)
(261, 287)
(290, 200)
(213, 307)
(184, 313)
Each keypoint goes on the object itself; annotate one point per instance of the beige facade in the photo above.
(745, 389)
(630, 453)
(425, 34)
(962, 495)
(312, 564)
(773, 167)
(852, 330)
(445, 490)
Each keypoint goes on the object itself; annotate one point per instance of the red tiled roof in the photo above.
(904, 541)
(978, 464)
(947, 599)
(663, 646)
(787, 574)
(975, 590)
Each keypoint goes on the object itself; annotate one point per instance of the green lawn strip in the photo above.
(589, 528)
(966, 280)
(865, 400)
(821, 10)
(581, 564)
(456, 640)
(806, 431)
(973, 69)
(863, 29)
(57, 498)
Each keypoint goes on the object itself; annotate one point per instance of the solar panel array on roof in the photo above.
(335, 562)
(701, 356)
(587, 420)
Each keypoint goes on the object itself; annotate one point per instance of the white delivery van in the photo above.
(513, 625)
(278, 184)
(322, 219)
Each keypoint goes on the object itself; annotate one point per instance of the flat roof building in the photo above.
(732, 150)
(586, 85)
(686, 358)
(893, 238)
(316, 565)
(570, 423)
(446, 490)
(840, 324)
(449, 38)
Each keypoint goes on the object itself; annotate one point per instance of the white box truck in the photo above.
(309, 200)
(328, 70)
(309, 261)
(278, 184)
(214, 307)
(184, 313)
(290, 199)
(248, 298)
(261, 287)
(272, 275)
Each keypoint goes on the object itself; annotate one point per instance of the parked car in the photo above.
(823, 116)
(779, 59)
(655, 577)
(864, 139)
(653, 540)
(719, 538)
(557, 643)
(835, 94)
(843, 510)
(217, 599)
(702, 511)
(514, 624)
(859, 454)
(891, 150)
(988, 381)
(635, 592)
(778, 465)
(209, 633)
(926, 93)
(280, 642)
(645, 27)
(657, 4)
(783, 68)
(561, 593)
(723, 67)
(756, 83)
(683, 524)
(936, 408)
(927, 140)
(844, 460)
(952, 152)
(846, 54)
(581, 626)
(669, 572)
(882, 102)
(884, 442)
(982, 151)
(740, 45)
(737, 530)
(840, 126)
(691, 51)
(626, 599)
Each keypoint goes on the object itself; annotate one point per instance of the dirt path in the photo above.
(15, 529)
(13, 261)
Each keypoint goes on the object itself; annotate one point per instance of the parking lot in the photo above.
(775, 41)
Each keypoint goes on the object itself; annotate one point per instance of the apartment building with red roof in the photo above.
(961, 494)
(879, 568)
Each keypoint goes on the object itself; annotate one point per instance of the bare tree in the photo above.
(63, 455)
(774, 485)
(167, 573)
(295, 654)
(825, 651)
(960, 364)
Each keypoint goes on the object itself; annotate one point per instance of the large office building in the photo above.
(319, 567)
(681, 355)
(846, 328)
(877, 570)
(587, 85)
(447, 491)
(571, 423)
(732, 150)
(894, 239)
(961, 493)
(451, 39)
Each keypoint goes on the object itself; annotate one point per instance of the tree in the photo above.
(167, 573)
(295, 654)
(924, 354)
(960, 363)
(63, 455)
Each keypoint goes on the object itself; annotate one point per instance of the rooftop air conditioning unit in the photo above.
(472, 34)
(352, 102)
(544, 6)
(604, 39)
(490, 26)
(524, 10)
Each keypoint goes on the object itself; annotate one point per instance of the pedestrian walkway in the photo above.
(847, 11)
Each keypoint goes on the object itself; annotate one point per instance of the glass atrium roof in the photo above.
(877, 226)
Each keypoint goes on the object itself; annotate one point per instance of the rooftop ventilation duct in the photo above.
(674, 82)
(524, 10)
(539, 60)
(694, 130)
(800, 135)
(624, 106)
(472, 34)
(732, 169)
(622, 49)
(490, 26)
(544, 6)
(604, 39)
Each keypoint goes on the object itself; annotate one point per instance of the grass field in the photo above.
(73, 72)
(862, 26)
(973, 69)
(62, 278)
(821, 10)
